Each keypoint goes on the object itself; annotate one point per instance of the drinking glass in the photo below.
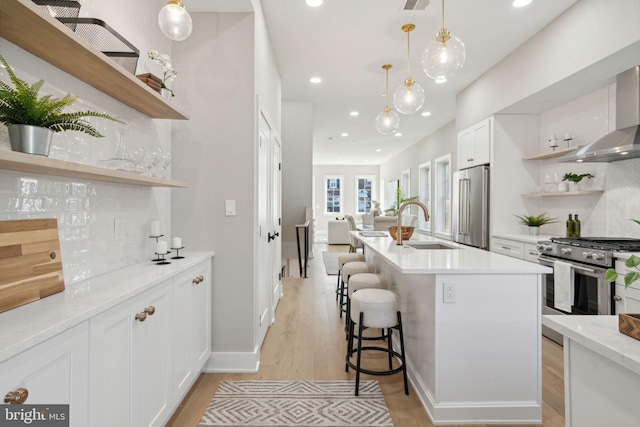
(155, 155)
(165, 162)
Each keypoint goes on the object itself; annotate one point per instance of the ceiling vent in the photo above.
(416, 5)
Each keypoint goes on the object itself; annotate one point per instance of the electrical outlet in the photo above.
(449, 290)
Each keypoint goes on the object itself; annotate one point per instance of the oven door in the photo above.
(591, 294)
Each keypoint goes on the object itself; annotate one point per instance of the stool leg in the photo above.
(338, 284)
(343, 288)
(402, 358)
(349, 345)
(390, 347)
(360, 330)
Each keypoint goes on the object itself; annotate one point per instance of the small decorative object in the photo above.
(534, 222)
(161, 251)
(169, 73)
(31, 120)
(629, 324)
(176, 243)
(154, 82)
(574, 179)
(567, 138)
(563, 187)
(154, 228)
(553, 141)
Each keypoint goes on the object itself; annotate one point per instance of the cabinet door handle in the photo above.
(617, 298)
(142, 316)
(506, 247)
(150, 310)
(198, 280)
(534, 253)
(17, 397)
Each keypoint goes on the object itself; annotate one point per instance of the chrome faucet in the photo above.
(400, 209)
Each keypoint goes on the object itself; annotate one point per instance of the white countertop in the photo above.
(35, 322)
(599, 334)
(525, 238)
(464, 260)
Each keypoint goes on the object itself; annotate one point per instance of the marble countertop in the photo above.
(35, 322)
(599, 334)
(525, 238)
(461, 260)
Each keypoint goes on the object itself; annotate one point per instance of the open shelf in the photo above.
(557, 153)
(25, 24)
(566, 193)
(31, 163)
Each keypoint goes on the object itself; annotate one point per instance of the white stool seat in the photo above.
(355, 267)
(380, 308)
(366, 281)
(345, 258)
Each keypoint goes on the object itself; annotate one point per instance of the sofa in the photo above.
(338, 232)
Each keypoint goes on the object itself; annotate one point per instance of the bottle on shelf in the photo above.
(570, 226)
(576, 227)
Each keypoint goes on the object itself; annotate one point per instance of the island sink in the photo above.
(429, 245)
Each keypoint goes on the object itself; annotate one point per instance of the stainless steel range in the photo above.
(589, 259)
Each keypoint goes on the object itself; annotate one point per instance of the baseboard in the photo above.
(240, 363)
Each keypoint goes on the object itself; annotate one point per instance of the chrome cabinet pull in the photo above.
(17, 397)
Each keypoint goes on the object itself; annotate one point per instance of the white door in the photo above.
(276, 224)
(265, 231)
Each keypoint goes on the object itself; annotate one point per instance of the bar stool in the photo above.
(351, 269)
(363, 281)
(342, 260)
(376, 308)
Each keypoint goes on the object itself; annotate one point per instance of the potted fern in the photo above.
(31, 120)
(534, 222)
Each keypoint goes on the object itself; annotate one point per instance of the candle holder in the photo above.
(156, 237)
(177, 253)
(568, 140)
(161, 260)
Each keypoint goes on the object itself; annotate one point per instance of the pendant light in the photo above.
(409, 97)
(175, 21)
(387, 121)
(444, 55)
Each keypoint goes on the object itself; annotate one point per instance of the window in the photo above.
(443, 195)
(424, 193)
(405, 183)
(332, 194)
(364, 193)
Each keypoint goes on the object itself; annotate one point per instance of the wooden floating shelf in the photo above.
(30, 163)
(566, 193)
(558, 153)
(27, 25)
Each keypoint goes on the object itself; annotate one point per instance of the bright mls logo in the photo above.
(35, 415)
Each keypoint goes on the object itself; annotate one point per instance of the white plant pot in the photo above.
(574, 186)
(166, 94)
(30, 139)
(563, 187)
(534, 230)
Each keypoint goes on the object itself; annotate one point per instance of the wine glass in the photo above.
(155, 155)
(137, 155)
(165, 162)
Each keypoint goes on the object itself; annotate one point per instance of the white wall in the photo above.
(86, 209)
(348, 206)
(297, 155)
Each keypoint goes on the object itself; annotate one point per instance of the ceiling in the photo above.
(346, 42)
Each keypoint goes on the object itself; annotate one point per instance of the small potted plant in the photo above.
(31, 120)
(534, 222)
(168, 73)
(574, 179)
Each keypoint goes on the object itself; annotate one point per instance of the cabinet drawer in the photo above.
(530, 252)
(508, 247)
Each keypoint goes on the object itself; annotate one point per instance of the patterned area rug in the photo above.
(331, 262)
(297, 403)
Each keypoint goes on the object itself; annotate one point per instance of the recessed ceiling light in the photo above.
(314, 3)
(398, 134)
(440, 80)
(516, 3)
(378, 150)
(344, 134)
(354, 113)
(426, 113)
(315, 80)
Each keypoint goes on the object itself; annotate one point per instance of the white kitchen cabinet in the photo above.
(530, 252)
(191, 327)
(53, 372)
(129, 361)
(507, 247)
(474, 145)
(627, 300)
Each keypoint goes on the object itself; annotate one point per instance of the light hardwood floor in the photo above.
(307, 342)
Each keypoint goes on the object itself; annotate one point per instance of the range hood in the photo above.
(624, 142)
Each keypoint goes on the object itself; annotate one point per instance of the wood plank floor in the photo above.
(307, 342)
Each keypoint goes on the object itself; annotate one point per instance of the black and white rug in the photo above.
(297, 403)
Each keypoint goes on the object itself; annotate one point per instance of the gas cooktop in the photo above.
(615, 244)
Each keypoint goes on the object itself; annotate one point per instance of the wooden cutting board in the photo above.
(30, 262)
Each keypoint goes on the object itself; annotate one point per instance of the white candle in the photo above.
(161, 247)
(552, 136)
(154, 228)
(176, 243)
(567, 136)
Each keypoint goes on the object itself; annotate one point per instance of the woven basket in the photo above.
(629, 324)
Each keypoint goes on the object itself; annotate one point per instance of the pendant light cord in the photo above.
(443, 14)
(408, 53)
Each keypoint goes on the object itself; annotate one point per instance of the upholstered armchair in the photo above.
(353, 242)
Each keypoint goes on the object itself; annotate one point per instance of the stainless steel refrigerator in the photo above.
(470, 225)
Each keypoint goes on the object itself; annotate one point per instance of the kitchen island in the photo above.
(472, 323)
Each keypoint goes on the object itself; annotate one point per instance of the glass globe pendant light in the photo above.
(443, 56)
(409, 97)
(387, 121)
(175, 21)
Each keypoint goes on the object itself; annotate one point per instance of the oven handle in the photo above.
(549, 262)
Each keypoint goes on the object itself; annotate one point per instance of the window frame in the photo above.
(372, 179)
(425, 195)
(442, 197)
(325, 191)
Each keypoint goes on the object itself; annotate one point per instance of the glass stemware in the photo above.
(155, 155)
(165, 162)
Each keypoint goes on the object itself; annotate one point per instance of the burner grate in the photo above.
(615, 244)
